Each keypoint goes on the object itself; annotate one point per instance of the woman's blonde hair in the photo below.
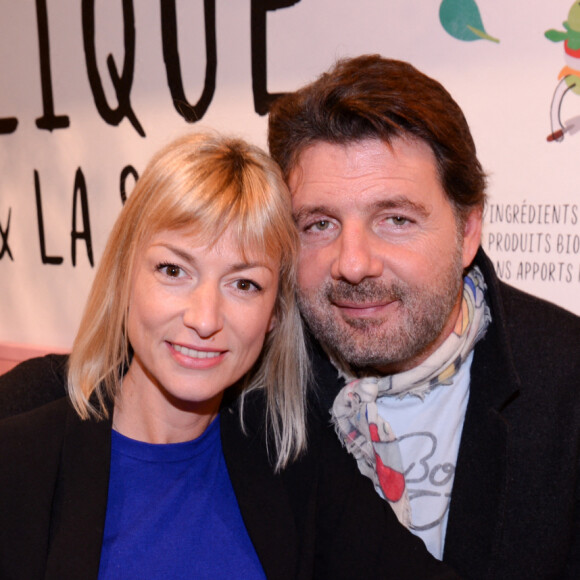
(206, 183)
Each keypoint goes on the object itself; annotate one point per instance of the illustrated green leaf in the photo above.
(462, 20)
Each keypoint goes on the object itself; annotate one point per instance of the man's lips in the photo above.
(353, 308)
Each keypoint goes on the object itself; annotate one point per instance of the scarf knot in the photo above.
(367, 436)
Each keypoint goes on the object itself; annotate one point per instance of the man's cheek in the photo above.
(310, 276)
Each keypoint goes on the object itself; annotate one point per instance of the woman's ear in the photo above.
(273, 322)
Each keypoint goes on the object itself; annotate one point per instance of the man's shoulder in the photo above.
(525, 312)
(525, 317)
(536, 341)
(32, 384)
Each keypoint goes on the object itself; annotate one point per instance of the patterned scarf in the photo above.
(355, 413)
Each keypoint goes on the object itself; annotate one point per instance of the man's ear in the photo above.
(472, 235)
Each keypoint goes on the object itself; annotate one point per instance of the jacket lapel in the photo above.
(261, 495)
(80, 502)
(477, 507)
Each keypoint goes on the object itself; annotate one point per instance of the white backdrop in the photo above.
(64, 146)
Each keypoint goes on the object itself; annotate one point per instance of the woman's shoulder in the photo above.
(32, 384)
(35, 428)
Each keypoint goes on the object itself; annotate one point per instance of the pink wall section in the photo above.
(11, 354)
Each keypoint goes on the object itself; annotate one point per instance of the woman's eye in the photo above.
(170, 270)
(246, 285)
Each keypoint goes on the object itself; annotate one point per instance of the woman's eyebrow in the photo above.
(191, 259)
(179, 252)
(249, 265)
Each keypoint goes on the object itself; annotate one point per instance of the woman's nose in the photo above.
(203, 311)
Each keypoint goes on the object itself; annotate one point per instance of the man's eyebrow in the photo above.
(398, 202)
(401, 202)
(310, 210)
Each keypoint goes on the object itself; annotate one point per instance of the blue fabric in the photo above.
(172, 513)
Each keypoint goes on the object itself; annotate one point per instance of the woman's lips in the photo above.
(196, 358)
(196, 353)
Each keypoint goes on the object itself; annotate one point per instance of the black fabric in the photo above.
(317, 519)
(515, 507)
(20, 389)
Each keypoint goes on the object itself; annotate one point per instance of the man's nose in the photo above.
(203, 311)
(358, 257)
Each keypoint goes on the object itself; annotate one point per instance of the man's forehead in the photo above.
(356, 158)
(369, 175)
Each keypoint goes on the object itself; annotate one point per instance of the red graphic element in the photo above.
(573, 52)
(392, 481)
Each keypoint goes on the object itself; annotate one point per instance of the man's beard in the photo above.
(418, 319)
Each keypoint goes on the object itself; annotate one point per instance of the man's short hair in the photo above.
(374, 97)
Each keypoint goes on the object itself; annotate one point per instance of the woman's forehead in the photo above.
(248, 248)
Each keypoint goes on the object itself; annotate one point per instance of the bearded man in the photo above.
(457, 394)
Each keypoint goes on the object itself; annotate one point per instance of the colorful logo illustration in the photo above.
(462, 20)
(569, 77)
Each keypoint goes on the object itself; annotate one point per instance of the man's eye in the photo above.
(320, 225)
(398, 220)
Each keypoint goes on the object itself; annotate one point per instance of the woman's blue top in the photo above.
(172, 513)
